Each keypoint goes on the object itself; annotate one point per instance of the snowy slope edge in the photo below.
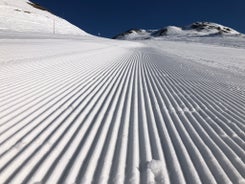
(26, 16)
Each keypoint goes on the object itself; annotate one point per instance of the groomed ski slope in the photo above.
(89, 110)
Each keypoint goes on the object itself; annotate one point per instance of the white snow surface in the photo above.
(77, 109)
(20, 16)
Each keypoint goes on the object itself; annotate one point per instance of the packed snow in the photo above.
(80, 109)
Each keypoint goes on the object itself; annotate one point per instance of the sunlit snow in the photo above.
(82, 109)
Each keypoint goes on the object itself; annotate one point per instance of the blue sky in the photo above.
(110, 17)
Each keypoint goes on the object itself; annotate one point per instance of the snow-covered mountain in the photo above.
(26, 16)
(192, 30)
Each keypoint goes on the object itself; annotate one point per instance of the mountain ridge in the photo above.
(191, 30)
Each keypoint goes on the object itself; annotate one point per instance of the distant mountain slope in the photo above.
(25, 16)
(195, 29)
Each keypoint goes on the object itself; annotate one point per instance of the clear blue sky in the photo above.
(110, 17)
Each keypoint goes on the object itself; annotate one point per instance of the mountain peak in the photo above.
(209, 27)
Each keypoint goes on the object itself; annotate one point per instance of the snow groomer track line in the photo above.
(118, 112)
